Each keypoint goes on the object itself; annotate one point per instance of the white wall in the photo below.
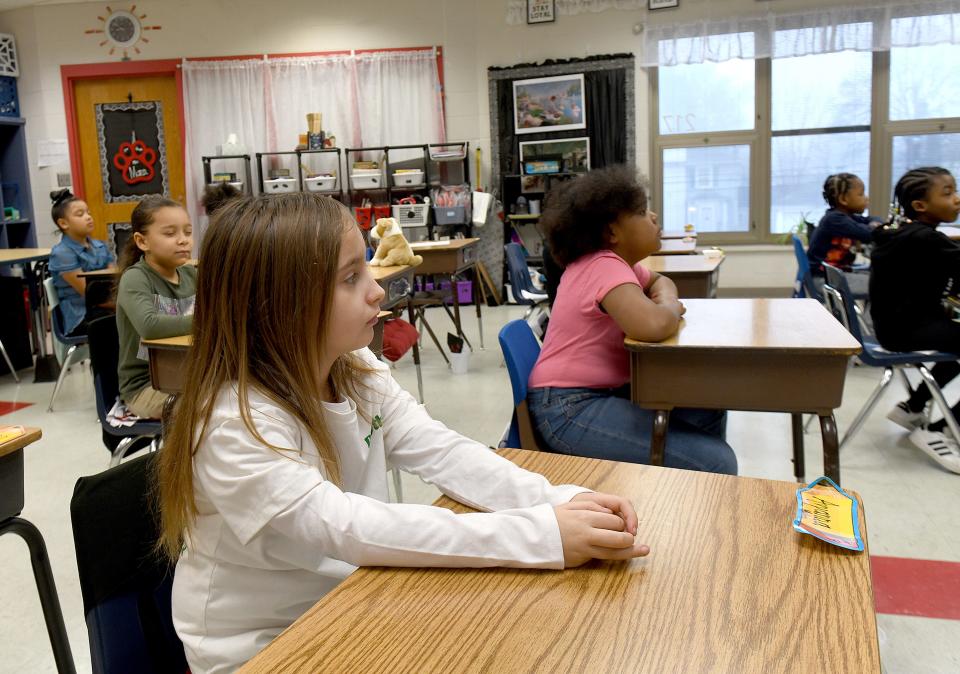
(474, 35)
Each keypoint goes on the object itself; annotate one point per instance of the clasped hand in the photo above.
(598, 526)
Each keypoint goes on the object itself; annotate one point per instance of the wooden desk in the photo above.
(728, 587)
(677, 234)
(760, 355)
(454, 257)
(677, 247)
(951, 232)
(11, 504)
(694, 275)
(396, 281)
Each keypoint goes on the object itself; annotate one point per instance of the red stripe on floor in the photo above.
(917, 587)
(8, 407)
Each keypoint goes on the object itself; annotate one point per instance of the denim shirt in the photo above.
(66, 256)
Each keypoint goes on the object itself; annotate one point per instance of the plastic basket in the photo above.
(411, 215)
(9, 101)
(449, 215)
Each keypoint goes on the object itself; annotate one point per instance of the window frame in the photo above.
(882, 132)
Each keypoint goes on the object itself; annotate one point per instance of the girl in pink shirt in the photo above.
(599, 229)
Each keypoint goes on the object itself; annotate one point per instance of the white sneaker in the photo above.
(938, 447)
(902, 416)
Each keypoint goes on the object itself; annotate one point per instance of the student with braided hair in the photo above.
(835, 239)
(915, 267)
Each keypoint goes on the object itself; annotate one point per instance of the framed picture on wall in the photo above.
(549, 104)
(572, 155)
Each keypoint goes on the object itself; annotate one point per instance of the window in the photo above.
(819, 126)
(707, 120)
(739, 174)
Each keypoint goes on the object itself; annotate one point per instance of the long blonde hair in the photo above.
(264, 295)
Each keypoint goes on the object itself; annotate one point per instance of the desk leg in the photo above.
(47, 590)
(456, 309)
(831, 448)
(796, 423)
(658, 442)
(416, 348)
(478, 294)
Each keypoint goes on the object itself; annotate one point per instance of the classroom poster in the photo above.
(133, 162)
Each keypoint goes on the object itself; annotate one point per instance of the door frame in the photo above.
(71, 74)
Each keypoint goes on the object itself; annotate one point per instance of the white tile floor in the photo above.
(880, 464)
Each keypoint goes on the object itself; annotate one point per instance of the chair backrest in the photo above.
(520, 352)
(126, 586)
(837, 283)
(50, 290)
(104, 341)
(519, 272)
(803, 284)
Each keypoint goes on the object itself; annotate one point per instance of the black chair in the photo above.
(126, 585)
(524, 292)
(104, 342)
(873, 355)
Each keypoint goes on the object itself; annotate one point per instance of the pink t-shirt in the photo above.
(584, 346)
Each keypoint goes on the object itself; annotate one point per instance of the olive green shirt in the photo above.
(150, 307)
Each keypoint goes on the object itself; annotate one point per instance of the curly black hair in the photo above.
(216, 195)
(579, 212)
(916, 184)
(836, 186)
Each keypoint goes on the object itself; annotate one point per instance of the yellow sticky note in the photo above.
(825, 511)
(8, 433)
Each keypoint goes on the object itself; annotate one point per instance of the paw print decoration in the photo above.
(135, 161)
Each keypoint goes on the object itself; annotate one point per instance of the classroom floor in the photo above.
(911, 503)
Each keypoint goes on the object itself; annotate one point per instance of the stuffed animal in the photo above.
(393, 248)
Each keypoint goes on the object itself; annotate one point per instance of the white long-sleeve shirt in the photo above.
(273, 535)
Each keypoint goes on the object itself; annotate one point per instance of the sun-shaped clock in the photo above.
(122, 30)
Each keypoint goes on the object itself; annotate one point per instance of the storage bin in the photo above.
(366, 181)
(408, 178)
(449, 215)
(411, 215)
(320, 183)
(381, 212)
(279, 185)
(364, 216)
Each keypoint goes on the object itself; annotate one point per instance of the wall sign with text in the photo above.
(133, 161)
(541, 11)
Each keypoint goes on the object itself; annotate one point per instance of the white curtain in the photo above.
(220, 98)
(399, 99)
(366, 99)
(874, 27)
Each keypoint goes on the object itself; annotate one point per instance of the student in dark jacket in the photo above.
(841, 229)
(915, 267)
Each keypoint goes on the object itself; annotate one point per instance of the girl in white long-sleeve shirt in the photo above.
(272, 480)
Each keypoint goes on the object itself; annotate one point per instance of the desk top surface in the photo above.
(794, 325)
(388, 273)
(677, 234)
(728, 586)
(14, 255)
(30, 435)
(677, 247)
(428, 247)
(682, 263)
(179, 342)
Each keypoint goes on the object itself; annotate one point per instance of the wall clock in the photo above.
(123, 30)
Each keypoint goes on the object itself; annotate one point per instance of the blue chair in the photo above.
(842, 304)
(104, 344)
(524, 292)
(73, 347)
(126, 586)
(520, 352)
(803, 284)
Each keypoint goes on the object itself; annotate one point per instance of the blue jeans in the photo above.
(604, 424)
